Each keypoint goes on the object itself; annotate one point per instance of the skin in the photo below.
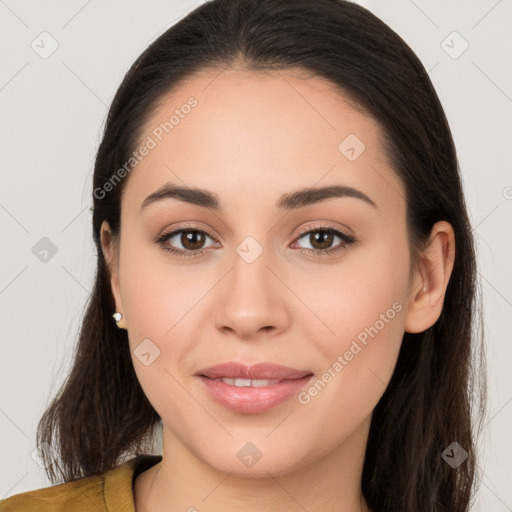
(252, 137)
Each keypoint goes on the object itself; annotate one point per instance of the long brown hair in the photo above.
(436, 396)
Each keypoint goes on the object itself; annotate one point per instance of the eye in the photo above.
(191, 241)
(321, 239)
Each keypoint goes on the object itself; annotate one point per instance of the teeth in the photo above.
(264, 382)
(256, 383)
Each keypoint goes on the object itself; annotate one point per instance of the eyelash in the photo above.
(346, 241)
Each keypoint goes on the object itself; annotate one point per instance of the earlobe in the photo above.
(430, 279)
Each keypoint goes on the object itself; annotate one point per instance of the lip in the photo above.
(235, 370)
(248, 399)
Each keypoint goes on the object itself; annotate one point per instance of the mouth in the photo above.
(252, 389)
(242, 383)
(253, 372)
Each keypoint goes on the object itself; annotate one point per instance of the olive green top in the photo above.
(111, 491)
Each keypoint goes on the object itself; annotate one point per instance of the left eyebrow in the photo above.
(289, 201)
(307, 196)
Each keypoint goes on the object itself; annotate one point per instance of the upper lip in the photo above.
(235, 370)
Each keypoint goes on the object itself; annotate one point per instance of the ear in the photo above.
(430, 279)
(110, 249)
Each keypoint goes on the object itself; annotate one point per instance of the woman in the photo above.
(284, 245)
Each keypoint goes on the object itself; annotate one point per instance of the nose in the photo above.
(251, 301)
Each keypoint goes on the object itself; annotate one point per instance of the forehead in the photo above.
(259, 134)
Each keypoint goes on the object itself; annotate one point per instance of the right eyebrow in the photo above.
(190, 195)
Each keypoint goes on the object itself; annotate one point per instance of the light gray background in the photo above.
(53, 112)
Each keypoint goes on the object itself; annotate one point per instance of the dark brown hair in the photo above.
(436, 396)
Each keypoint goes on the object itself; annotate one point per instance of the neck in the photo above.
(183, 482)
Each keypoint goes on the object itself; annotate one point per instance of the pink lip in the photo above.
(234, 370)
(252, 400)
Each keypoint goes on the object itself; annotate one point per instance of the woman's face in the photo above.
(262, 291)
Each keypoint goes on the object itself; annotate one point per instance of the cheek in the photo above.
(362, 303)
(161, 312)
(157, 293)
(367, 288)
(160, 302)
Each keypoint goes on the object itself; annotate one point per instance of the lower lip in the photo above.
(252, 400)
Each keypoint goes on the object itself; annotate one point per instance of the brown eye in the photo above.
(321, 240)
(185, 242)
(192, 240)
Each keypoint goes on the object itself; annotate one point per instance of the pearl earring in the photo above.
(117, 317)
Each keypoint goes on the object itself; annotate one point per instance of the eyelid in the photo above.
(185, 227)
(322, 225)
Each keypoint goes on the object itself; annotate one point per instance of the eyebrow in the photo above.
(289, 201)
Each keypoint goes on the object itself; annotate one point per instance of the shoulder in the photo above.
(78, 495)
(111, 491)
